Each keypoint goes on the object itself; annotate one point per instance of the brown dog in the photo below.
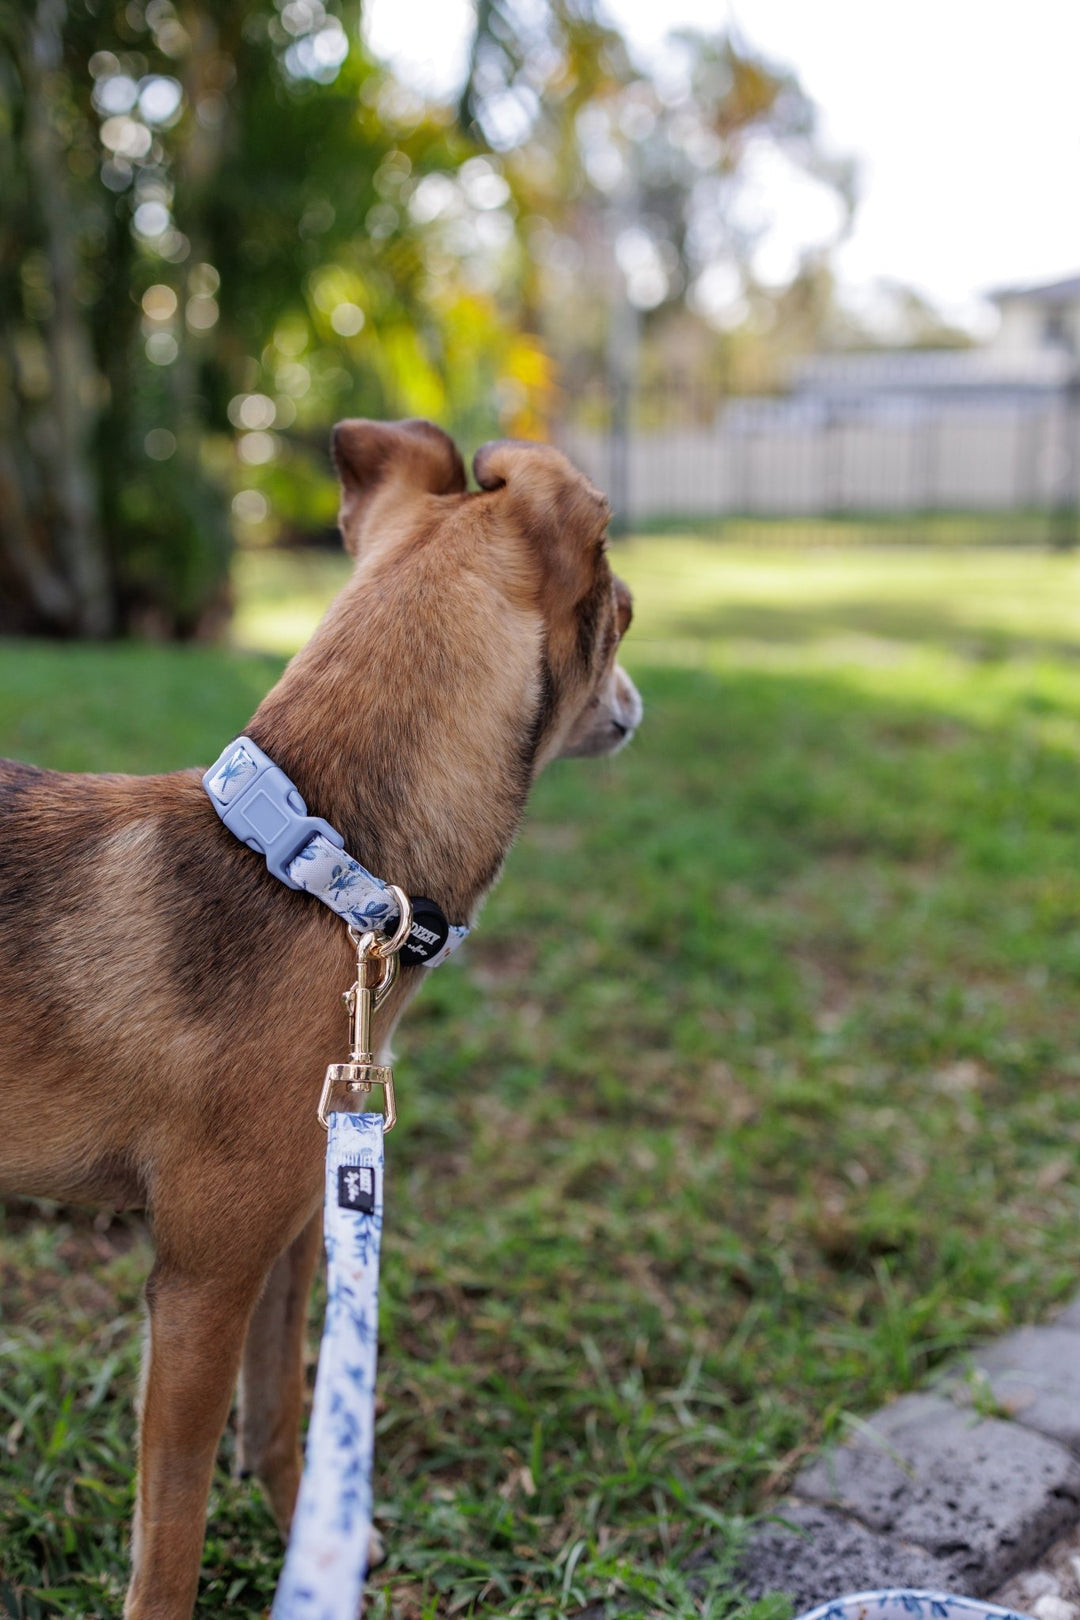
(156, 980)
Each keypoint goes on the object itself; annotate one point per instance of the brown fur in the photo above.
(155, 979)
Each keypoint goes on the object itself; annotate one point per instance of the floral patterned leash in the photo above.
(900, 1603)
(327, 1557)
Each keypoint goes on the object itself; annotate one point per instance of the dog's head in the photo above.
(537, 528)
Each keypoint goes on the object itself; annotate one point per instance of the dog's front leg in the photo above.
(197, 1327)
(272, 1376)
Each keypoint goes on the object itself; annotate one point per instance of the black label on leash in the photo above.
(356, 1188)
(428, 934)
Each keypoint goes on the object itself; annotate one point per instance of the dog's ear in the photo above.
(396, 459)
(555, 508)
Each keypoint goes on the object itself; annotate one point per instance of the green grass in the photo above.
(1022, 527)
(752, 1098)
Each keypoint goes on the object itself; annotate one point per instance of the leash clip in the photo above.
(376, 973)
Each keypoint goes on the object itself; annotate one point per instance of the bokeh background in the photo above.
(753, 1098)
(226, 226)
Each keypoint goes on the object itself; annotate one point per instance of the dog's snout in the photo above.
(628, 705)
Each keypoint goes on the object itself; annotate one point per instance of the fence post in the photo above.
(622, 353)
(1065, 518)
(619, 454)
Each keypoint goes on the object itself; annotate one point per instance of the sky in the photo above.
(963, 117)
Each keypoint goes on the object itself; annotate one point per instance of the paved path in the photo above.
(1050, 1589)
(964, 1487)
(972, 1487)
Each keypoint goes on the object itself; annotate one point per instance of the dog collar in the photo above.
(263, 808)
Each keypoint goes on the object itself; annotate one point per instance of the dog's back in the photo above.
(136, 940)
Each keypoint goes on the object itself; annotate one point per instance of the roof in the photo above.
(920, 370)
(1047, 292)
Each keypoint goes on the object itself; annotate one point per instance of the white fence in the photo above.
(779, 458)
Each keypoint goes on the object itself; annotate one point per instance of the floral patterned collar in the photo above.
(262, 807)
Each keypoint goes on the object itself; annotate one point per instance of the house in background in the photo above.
(1031, 360)
(990, 428)
(1039, 319)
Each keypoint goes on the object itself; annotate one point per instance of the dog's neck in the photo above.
(406, 723)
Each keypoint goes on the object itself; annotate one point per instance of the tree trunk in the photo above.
(75, 382)
(25, 571)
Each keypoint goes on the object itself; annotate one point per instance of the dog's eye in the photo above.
(624, 607)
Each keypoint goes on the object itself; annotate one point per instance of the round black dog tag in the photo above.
(428, 934)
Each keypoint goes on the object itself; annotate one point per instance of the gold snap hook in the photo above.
(367, 995)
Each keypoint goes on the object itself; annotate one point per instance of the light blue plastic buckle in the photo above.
(261, 807)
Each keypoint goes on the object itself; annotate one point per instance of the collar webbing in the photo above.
(263, 808)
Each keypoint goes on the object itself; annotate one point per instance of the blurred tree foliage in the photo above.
(641, 192)
(225, 225)
(210, 249)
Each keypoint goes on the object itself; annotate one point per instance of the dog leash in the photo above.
(903, 1603)
(326, 1560)
(327, 1556)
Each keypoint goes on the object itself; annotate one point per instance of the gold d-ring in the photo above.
(391, 946)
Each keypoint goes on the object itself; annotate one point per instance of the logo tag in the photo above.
(429, 933)
(356, 1188)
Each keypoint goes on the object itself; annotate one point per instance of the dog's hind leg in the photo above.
(272, 1376)
(197, 1327)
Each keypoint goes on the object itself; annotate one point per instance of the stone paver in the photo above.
(1070, 1316)
(981, 1494)
(814, 1554)
(930, 1493)
(828, 1554)
(1034, 1375)
(1050, 1590)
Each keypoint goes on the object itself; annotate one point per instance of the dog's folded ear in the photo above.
(395, 458)
(552, 505)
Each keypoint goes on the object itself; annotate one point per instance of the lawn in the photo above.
(753, 1097)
